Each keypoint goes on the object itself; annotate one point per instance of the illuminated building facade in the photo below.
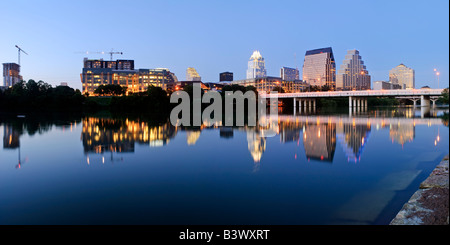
(289, 74)
(256, 66)
(267, 84)
(192, 74)
(122, 72)
(403, 76)
(319, 68)
(353, 74)
(11, 74)
(383, 85)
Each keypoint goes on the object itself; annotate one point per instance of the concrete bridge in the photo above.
(360, 120)
(359, 98)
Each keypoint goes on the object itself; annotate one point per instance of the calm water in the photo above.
(317, 169)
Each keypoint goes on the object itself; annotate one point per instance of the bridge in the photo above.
(360, 120)
(359, 98)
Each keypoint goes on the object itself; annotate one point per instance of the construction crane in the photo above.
(20, 50)
(111, 53)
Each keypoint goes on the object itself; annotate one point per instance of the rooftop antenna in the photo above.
(20, 50)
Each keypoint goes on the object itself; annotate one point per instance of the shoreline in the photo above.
(429, 205)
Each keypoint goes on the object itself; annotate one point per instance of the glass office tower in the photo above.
(192, 74)
(319, 68)
(403, 76)
(353, 74)
(289, 74)
(256, 66)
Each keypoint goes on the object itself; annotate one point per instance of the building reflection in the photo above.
(11, 137)
(353, 138)
(352, 133)
(289, 131)
(402, 133)
(119, 135)
(318, 134)
(256, 146)
(15, 127)
(192, 136)
(226, 132)
(319, 141)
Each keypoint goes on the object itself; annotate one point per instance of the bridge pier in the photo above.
(295, 105)
(434, 101)
(424, 100)
(424, 111)
(357, 102)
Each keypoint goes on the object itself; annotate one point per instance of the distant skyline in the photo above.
(215, 37)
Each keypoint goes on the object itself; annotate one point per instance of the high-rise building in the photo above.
(192, 75)
(11, 74)
(121, 72)
(256, 66)
(403, 76)
(289, 74)
(226, 76)
(383, 85)
(267, 84)
(319, 68)
(353, 74)
(115, 65)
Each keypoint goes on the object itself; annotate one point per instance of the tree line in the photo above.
(32, 95)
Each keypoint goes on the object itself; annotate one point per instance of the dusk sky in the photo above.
(218, 36)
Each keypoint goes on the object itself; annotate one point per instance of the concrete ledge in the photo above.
(430, 204)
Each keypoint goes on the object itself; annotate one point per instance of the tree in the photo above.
(326, 88)
(110, 89)
(278, 89)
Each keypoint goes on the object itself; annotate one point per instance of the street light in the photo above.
(437, 74)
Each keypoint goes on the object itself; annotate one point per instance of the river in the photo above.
(324, 168)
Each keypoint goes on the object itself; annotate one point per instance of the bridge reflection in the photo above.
(318, 136)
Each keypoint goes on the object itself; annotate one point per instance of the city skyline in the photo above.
(50, 32)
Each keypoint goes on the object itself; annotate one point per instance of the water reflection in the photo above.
(319, 141)
(68, 173)
(319, 134)
(353, 138)
(10, 137)
(14, 127)
(101, 135)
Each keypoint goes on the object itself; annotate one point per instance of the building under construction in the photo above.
(11, 74)
(121, 72)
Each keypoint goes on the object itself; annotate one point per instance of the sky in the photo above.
(218, 36)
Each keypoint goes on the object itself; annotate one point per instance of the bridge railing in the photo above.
(362, 93)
